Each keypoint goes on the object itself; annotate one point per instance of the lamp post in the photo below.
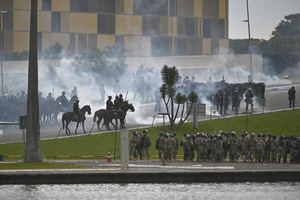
(249, 35)
(2, 12)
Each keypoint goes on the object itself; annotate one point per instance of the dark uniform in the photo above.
(116, 103)
(235, 101)
(145, 144)
(249, 100)
(76, 108)
(121, 100)
(109, 103)
(292, 96)
(62, 99)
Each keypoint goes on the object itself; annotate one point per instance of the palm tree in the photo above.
(170, 77)
(32, 146)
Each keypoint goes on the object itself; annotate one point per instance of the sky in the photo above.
(265, 15)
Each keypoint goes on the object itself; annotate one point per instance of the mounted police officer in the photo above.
(76, 109)
(49, 98)
(109, 103)
(292, 96)
(121, 98)
(62, 99)
(116, 102)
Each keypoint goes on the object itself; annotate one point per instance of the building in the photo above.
(137, 27)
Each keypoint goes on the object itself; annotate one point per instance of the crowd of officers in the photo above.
(219, 147)
(139, 145)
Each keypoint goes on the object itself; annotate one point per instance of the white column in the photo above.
(124, 151)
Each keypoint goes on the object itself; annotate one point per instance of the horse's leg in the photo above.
(98, 123)
(106, 123)
(67, 128)
(116, 123)
(76, 128)
(83, 127)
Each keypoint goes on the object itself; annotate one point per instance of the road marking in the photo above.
(180, 166)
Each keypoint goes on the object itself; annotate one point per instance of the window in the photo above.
(218, 28)
(214, 28)
(101, 6)
(107, 6)
(187, 27)
(92, 42)
(180, 49)
(40, 41)
(150, 25)
(215, 46)
(119, 6)
(79, 5)
(185, 8)
(82, 42)
(173, 8)
(148, 7)
(8, 21)
(72, 44)
(55, 22)
(106, 24)
(119, 46)
(161, 46)
(210, 8)
(46, 4)
(207, 28)
(194, 46)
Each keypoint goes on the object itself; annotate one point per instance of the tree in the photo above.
(282, 49)
(284, 45)
(170, 77)
(32, 146)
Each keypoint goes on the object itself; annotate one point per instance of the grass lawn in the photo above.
(284, 122)
(42, 165)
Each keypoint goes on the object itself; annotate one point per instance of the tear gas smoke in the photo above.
(137, 86)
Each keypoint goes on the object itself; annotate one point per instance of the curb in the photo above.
(93, 177)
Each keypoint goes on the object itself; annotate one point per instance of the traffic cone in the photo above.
(108, 157)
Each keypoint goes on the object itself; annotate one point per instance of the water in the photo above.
(224, 191)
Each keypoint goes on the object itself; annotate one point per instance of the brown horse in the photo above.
(121, 114)
(106, 115)
(69, 116)
(109, 115)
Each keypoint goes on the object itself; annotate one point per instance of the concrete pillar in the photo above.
(124, 151)
(195, 115)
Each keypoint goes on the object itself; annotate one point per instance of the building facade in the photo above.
(136, 27)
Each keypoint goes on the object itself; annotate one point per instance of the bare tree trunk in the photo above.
(182, 121)
(32, 146)
(172, 122)
(167, 108)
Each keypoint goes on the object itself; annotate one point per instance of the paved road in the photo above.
(276, 98)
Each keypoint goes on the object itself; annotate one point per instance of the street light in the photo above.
(2, 12)
(250, 79)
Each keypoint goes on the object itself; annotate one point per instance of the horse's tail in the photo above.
(63, 122)
(95, 116)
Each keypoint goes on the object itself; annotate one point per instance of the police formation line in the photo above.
(219, 147)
